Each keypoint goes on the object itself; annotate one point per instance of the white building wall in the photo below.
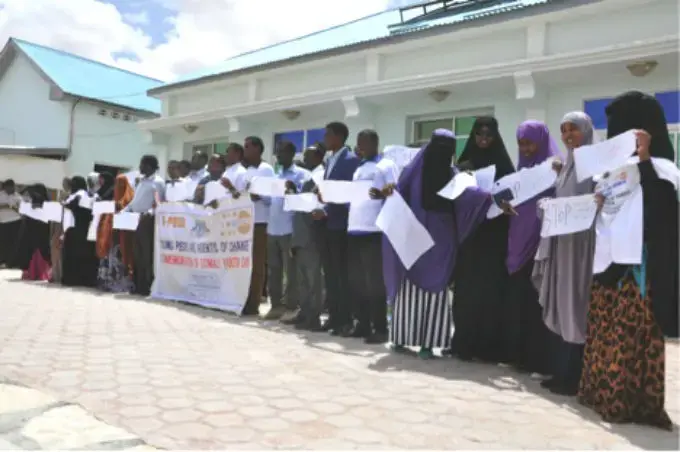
(107, 141)
(27, 116)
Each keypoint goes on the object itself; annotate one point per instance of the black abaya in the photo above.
(79, 259)
(480, 276)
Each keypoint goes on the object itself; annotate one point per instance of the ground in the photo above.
(84, 370)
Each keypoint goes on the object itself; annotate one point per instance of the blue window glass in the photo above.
(315, 135)
(595, 109)
(670, 101)
(297, 137)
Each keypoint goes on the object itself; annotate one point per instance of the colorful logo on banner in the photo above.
(203, 255)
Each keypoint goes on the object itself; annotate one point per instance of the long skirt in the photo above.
(526, 339)
(9, 236)
(79, 262)
(421, 318)
(38, 269)
(624, 363)
(55, 249)
(113, 273)
(143, 255)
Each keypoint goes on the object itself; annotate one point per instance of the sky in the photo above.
(167, 38)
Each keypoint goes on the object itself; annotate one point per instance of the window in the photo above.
(461, 125)
(209, 148)
(300, 138)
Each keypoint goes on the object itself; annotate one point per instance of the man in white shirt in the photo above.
(149, 191)
(199, 170)
(10, 221)
(234, 177)
(253, 150)
(364, 249)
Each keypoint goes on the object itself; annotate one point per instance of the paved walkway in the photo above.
(182, 377)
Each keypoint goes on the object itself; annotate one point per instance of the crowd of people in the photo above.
(490, 290)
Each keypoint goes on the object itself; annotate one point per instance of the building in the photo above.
(408, 71)
(62, 115)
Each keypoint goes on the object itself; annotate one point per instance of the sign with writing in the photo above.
(401, 155)
(568, 215)
(203, 255)
(616, 187)
(525, 184)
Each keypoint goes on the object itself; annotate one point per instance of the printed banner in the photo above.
(203, 255)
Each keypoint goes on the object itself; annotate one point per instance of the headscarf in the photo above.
(636, 110)
(437, 157)
(563, 269)
(122, 196)
(496, 154)
(78, 183)
(93, 183)
(448, 223)
(567, 183)
(38, 194)
(105, 192)
(525, 227)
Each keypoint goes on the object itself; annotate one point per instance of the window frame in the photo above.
(212, 142)
(452, 115)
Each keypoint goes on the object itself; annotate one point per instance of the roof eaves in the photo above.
(393, 38)
(33, 151)
(155, 114)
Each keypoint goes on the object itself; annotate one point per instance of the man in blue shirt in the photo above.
(279, 236)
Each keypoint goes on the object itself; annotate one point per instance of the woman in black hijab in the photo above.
(480, 275)
(106, 183)
(33, 250)
(632, 307)
(79, 259)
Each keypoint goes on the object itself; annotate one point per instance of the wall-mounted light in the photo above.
(190, 128)
(291, 115)
(642, 68)
(439, 95)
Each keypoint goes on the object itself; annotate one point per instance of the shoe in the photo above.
(314, 327)
(397, 348)
(343, 330)
(564, 389)
(328, 325)
(290, 314)
(550, 383)
(376, 338)
(274, 314)
(425, 353)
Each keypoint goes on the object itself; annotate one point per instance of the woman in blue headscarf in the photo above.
(421, 315)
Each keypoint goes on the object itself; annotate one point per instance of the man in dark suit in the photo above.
(340, 166)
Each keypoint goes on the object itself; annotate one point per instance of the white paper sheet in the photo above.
(401, 155)
(101, 207)
(268, 186)
(317, 177)
(69, 220)
(525, 184)
(486, 177)
(568, 215)
(303, 202)
(605, 156)
(53, 211)
(457, 185)
(345, 192)
(177, 192)
(126, 221)
(26, 209)
(214, 191)
(92, 230)
(86, 202)
(407, 235)
(617, 187)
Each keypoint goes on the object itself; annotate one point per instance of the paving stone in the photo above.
(180, 377)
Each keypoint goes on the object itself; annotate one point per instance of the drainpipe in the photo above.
(72, 121)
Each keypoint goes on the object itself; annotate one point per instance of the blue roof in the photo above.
(81, 77)
(364, 30)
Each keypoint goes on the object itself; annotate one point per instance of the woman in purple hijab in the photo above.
(421, 315)
(526, 336)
